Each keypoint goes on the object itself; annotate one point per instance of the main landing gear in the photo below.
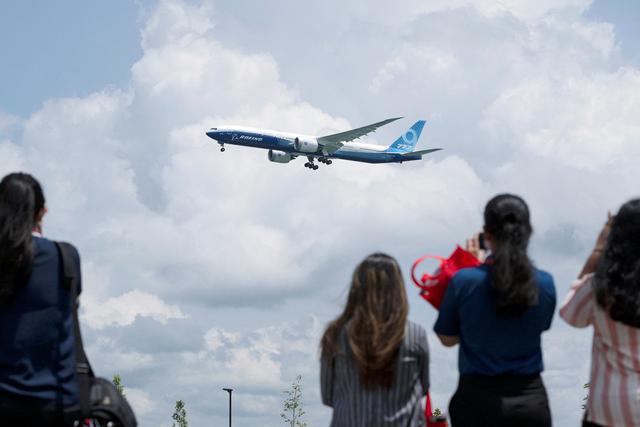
(222, 147)
(310, 164)
(324, 160)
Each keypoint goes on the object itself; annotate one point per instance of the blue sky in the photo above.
(74, 47)
(222, 269)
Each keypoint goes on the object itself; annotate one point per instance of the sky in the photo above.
(204, 270)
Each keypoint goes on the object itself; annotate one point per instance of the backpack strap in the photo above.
(71, 279)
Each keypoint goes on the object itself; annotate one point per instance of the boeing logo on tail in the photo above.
(284, 147)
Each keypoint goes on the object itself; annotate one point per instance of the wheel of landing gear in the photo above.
(315, 167)
(329, 162)
(222, 149)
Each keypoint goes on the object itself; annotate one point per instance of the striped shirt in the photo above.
(614, 392)
(400, 405)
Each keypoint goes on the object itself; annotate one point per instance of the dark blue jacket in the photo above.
(37, 357)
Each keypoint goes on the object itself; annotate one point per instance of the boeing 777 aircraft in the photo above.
(284, 147)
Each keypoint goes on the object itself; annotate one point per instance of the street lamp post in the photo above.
(229, 390)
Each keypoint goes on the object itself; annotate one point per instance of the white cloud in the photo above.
(583, 121)
(124, 310)
(12, 158)
(141, 401)
(190, 256)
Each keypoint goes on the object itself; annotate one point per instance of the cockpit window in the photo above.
(213, 129)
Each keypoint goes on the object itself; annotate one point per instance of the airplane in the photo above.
(284, 147)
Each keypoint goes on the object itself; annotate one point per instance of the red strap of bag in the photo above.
(433, 286)
(423, 282)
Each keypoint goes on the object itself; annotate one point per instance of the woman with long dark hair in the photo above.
(375, 363)
(37, 362)
(606, 295)
(496, 313)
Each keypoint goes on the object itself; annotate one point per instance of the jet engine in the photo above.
(306, 145)
(279, 156)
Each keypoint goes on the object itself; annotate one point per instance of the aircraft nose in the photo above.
(212, 133)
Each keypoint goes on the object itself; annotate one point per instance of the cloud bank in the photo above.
(204, 270)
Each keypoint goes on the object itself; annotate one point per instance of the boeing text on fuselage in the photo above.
(284, 147)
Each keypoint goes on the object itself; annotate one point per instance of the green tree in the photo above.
(584, 405)
(292, 408)
(179, 415)
(117, 381)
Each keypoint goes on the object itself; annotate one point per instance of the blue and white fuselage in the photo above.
(284, 147)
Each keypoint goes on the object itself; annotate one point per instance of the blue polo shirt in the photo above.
(37, 358)
(492, 344)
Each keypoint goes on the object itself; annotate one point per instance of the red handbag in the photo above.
(433, 286)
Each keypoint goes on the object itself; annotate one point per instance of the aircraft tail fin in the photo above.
(406, 143)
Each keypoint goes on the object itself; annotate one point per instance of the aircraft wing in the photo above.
(421, 152)
(332, 143)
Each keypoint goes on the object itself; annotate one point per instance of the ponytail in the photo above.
(513, 279)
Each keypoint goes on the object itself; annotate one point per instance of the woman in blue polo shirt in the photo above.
(496, 313)
(37, 363)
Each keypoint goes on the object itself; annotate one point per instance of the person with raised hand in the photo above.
(496, 313)
(606, 295)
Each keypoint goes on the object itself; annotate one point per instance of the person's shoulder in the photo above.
(44, 245)
(415, 329)
(470, 275)
(544, 279)
(415, 336)
(51, 246)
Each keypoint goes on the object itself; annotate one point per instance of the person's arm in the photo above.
(578, 305)
(449, 340)
(598, 250)
(447, 325)
(326, 381)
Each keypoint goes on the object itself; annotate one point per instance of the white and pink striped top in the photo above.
(614, 394)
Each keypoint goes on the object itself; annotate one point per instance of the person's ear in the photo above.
(42, 213)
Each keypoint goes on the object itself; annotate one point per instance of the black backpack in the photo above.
(99, 398)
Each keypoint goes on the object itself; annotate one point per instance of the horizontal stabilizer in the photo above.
(421, 152)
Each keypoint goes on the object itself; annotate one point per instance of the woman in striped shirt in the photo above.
(374, 369)
(607, 296)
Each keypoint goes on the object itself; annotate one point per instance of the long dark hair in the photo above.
(21, 200)
(375, 318)
(506, 217)
(617, 279)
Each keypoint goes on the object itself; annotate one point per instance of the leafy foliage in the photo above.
(117, 381)
(584, 405)
(179, 415)
(292, 411)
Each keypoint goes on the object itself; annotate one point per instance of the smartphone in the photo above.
(481, 243)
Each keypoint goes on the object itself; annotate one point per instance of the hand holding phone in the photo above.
(476, 245)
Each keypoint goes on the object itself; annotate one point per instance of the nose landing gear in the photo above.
(222, 147)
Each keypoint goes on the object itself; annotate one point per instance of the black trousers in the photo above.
(21, 411)
(501, 401)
